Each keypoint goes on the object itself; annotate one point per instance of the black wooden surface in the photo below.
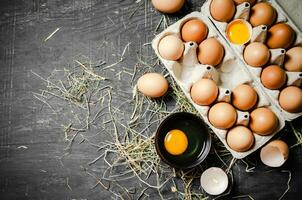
(32, 144)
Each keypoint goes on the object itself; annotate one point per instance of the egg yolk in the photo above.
(238, 32)
(176, 142)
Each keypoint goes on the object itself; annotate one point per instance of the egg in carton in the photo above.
(259, 34)
(227, 75)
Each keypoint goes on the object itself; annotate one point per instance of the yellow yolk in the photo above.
(238, 32)
(176, 142)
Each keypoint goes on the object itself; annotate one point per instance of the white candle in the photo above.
(214, 181)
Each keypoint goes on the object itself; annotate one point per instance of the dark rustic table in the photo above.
(32, 145)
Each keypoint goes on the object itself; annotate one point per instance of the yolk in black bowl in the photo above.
(176, 142)
(198, 140)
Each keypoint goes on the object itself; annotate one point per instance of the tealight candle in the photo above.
(214, 181)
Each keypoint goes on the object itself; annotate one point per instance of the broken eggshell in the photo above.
(275, 153)
(214, 181)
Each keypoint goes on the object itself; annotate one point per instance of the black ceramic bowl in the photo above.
(199, 140)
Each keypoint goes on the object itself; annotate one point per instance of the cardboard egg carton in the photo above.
(259, 34)
(227, 75)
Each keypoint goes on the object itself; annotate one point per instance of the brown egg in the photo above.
(171, 47)
(290, 99)
(240, 138)
(273, 77)
(262, 14)
(222, 115)
(251, 2)
(152, 85)
(194, 30)
(210, 52)
(204, 92)
(168, 6)
(280, 36)
(222, 10)
(293, 61)
(256, 54)
(244, 97)
(263, 121)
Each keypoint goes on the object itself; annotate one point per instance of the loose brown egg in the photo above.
(293, 60)
(256, 54)
(290, 99)
(244, 97)
(194, 30)
(168, 6)
(222, 115)
(210, 52)
(240, 138)
(273, 77)
(171, 47)
(152, 85)
(222, 10)
(263, 121)
(262, 14)
(204, 92)
(251, 2)
(280, 35)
